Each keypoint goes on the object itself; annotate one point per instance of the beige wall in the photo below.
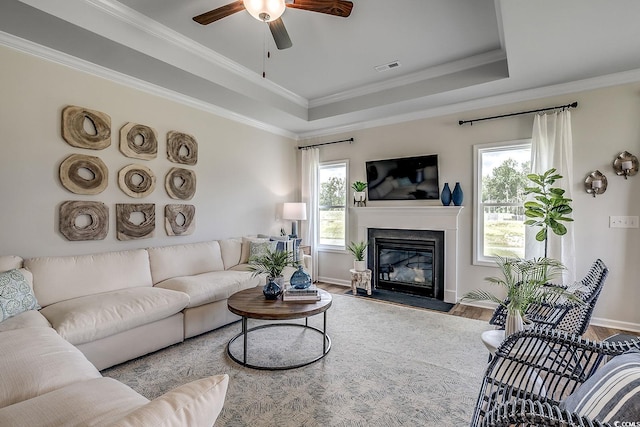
(605, 123)
(242, 173)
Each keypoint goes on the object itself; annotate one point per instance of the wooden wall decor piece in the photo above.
(128, 230)
(172, 214)
(147, 150)
(126, 178)
(180, 183)
(73, 131)
(72, 180)
(98, 226)
(182, 148)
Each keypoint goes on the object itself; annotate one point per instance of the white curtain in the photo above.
(551, 147)
(310, 167)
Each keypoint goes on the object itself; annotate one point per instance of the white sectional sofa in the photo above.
(103, 309)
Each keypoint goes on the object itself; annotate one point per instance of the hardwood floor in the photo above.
(596, 333)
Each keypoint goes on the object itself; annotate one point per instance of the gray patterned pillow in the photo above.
(16, 295)
(258, 249)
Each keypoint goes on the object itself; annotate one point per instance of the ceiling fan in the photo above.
(270, 11)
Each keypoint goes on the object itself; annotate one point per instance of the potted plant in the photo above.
(358, 249)
(271, 263)
(549, 208)
(359, 196)
(524, 282)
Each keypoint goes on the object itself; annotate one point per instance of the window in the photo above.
(332, 196)
(500, 178)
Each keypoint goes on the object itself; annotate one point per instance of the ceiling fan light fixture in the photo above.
(265, 10)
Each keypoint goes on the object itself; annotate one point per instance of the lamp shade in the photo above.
(265, 10)
(294, 211)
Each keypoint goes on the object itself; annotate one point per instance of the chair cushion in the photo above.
(210, 287)
(16, 294)
(612, 393)
(90, 318)
(35, 361)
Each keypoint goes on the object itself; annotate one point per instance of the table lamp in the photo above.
(294, 211)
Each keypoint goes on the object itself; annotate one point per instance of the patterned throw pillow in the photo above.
(16, 295)
(258, 249)
(611, 394)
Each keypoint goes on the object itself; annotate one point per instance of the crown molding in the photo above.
(52, 55)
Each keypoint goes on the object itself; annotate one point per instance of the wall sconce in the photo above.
(595, 183)
(625, 164)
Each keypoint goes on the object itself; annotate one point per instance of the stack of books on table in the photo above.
(309, 294)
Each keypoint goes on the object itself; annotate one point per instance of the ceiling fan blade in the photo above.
(280, 35)
(219, 13)
(340, 8)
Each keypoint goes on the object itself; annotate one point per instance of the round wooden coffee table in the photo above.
(251, 304)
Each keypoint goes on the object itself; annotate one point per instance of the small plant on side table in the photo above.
(358, 249)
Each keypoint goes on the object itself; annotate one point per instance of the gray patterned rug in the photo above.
(388, 366)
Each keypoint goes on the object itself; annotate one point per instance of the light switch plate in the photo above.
(623, 222)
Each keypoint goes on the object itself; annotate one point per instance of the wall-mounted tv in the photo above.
(406, 178)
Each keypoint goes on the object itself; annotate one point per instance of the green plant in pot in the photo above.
(524, 282)
(359, 196)
(358, 250)
(549, 207)
(272, 263)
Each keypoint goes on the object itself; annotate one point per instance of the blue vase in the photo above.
(271, 290)
(300, 279)
(457, 196)
(445, 196)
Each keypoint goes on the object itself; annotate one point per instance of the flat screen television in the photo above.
(406, 178)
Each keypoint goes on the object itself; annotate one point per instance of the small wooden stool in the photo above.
(360, 279)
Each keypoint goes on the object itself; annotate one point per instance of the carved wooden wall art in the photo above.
(127, 229)
(180, 183)
(72, 180)
(182, 148)
(74, 132)
(98, 226)
(147, 149)
(129, 176)
(179, 220)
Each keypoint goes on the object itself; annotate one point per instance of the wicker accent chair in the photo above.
(570, 318)
(533, 371)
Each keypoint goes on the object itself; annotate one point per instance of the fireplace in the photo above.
(409, 261)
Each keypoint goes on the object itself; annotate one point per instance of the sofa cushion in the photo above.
(35, 361)
(9, 262)
(62, 278)
(210, 287)
(612, 393)
(231, 250)
(28, 319)
(99, 401)
(197, 403)
(184, 260)
(90, 318)
(16, 295)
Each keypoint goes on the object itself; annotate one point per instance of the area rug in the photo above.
(388, 366)
(404, 298)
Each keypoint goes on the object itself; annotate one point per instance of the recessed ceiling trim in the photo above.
(429, 73)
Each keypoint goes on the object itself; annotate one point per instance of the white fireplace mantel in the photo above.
(436, 218)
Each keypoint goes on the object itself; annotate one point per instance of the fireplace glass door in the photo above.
(406, 265)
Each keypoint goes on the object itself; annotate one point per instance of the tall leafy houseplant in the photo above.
(271, 263)
(524, 282)
(549, 207)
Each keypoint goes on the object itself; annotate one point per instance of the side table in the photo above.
(360, 279)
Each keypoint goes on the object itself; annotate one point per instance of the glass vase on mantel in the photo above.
(457, 195)
(445, 196)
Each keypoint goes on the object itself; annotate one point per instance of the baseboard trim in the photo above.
(615, 324)
(332, 281)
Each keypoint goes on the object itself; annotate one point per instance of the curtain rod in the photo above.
(306, 147)
(572, 105)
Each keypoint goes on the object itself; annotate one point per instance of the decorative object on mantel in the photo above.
(180, 183)
(359, 195)
(98, 220)
(138, 141)
(357, 249)
(179, 220)
(595, 183)
(136, 181)
(129, 230)
(626, 164)
(445, 195)
(457, 196)
(72, 180)
(182, 148)
(74, 130)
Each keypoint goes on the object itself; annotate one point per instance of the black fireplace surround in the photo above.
(410, 261)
